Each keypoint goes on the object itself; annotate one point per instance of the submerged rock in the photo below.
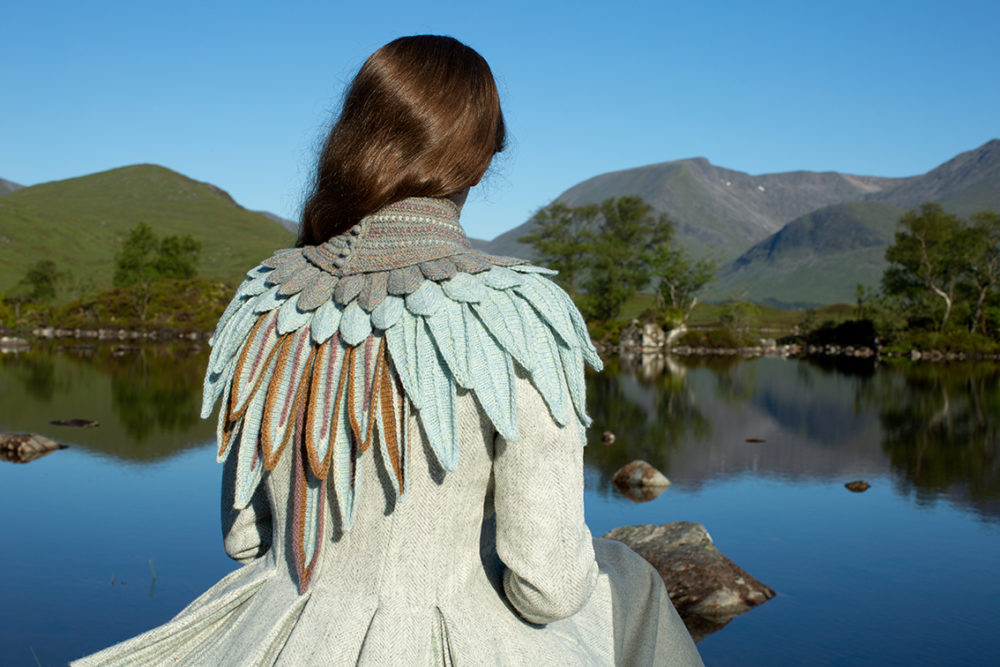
(707, 588)
(25, 447)
(78, 423)
(639, 482)
(640, 494)
(858, 486)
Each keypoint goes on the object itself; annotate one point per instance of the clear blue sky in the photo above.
(239, 93)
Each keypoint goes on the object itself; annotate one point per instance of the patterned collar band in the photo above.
(391, 252)
(418, 230)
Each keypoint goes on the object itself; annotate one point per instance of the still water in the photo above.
(117, 533)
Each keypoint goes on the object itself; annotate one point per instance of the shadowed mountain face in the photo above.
(816, 259)
(819, 258)
(795, 238)
(6, 187)
(80, 222)
(719, 212)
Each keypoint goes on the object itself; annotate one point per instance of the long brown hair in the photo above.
(420, 119)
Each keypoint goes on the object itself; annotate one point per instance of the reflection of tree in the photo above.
(37, 373)
(649, 417)
(941, 432)
(154, 389)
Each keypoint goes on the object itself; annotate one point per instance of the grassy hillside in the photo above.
(80, 223)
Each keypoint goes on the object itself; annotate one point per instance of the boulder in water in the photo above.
(707, 588)
(25, 447)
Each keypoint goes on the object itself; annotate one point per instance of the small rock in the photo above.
(78, 423)
(26, 447)
(608, 438)
(707, 588)
(639, 473)
(755, 440)
(858, 486)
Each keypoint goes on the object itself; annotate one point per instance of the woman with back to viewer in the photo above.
(402, 421)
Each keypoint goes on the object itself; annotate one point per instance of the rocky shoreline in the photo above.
(18, 341)
(636, 340)
(641, 340)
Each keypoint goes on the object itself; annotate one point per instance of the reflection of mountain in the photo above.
(806, 419)
(932, 427)
(146, 399)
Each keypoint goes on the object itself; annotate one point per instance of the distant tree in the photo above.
(39, 285)
(143, 259)
(623, 247)
(984, 263)
(681, 279)
(41, 282)
(928, 259)
(559, 236)
(739, 316)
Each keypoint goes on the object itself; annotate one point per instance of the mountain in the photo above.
(290, 225)
(794, 239)
(965, 184)
(80, 223)
(6, 187)
(718, 212)
(821, 257)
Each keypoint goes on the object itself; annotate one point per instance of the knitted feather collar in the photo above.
(326, 351)
(391, 251)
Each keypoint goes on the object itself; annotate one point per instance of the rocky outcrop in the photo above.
(641, 336)
(25, 447)
(707, 588)
(13, 344)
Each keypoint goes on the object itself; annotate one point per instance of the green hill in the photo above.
(80, 223)
(816, 259)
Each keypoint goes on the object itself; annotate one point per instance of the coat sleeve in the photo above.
(542, 538)
(246, 533)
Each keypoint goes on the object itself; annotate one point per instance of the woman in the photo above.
(402, 422)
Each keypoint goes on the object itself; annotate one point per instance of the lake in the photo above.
(120, 531)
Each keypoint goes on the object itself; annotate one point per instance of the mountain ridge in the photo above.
(6, 187)
(715, 209)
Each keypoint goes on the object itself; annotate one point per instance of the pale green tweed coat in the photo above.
(402, 425)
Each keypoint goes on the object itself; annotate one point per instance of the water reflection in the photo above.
(931, 427)
(941, 432)
(146, 398)
(650, 414)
